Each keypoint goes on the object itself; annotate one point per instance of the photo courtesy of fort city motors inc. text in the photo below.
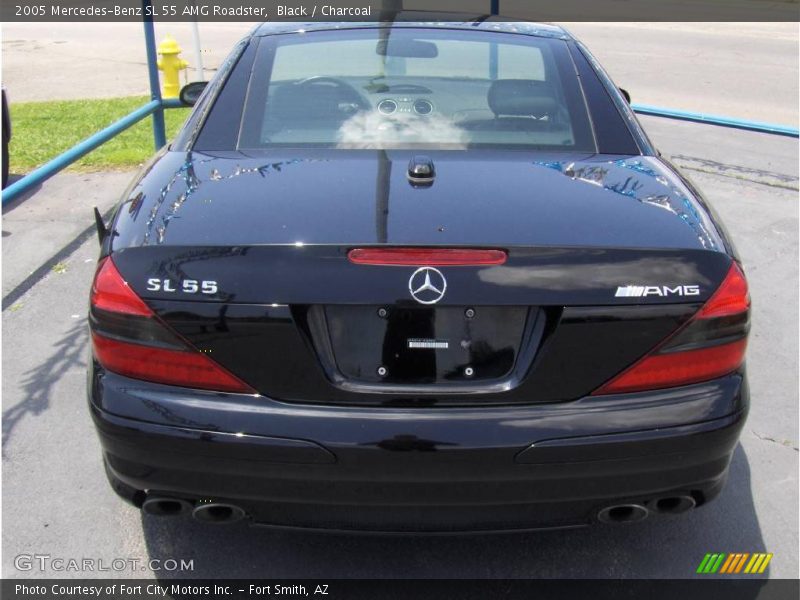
(442, 299)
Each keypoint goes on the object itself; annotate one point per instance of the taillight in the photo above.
(710, 345)
(731, 298)
(129, 339)
(431, 257)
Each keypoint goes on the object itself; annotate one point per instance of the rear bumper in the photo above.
(392, 469)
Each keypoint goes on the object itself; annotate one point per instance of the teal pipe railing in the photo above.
(159, 129)
(683, 115)
(70, 156)
(155, 107)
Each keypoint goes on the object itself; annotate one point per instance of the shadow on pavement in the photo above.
(38, 383)
(661, 547)
(21, 198)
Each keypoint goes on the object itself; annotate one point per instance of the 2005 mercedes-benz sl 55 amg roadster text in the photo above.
(415, 277)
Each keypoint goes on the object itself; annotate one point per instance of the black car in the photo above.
(6, 135)
(416, 277)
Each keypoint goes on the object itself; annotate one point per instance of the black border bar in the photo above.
(375, 10)
(731, 588)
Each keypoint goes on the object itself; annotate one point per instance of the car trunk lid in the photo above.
(250, 260)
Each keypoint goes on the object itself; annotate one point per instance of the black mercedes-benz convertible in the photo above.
(415, 277)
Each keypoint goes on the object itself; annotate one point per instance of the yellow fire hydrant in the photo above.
(171, 64)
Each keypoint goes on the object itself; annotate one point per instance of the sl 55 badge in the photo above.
(186, 286)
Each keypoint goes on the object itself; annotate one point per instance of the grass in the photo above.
(43, 130)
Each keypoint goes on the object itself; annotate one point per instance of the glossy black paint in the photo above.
(600, 90)
(426, 19)
(487, 342)
(278, 352)
(225, 98)
(322, 274)
(364, 197)
(615, 133)
(406, 469)
(5, 115)
(327, 442)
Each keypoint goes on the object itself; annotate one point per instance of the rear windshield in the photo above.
(408, 88)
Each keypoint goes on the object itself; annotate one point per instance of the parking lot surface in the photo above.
(56, 500)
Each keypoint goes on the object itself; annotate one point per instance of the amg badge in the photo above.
(640, 291)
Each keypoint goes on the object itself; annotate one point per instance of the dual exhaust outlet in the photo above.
(634, 512)
(223, 513)
(208, 512)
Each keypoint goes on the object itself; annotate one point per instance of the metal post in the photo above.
(198, 51)
(159, 130)
(493, 62)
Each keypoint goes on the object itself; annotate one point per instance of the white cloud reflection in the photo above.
(373, 130)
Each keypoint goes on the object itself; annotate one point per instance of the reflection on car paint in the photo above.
(532, 29)
(263, 170)
(154, 206)
(136, 204)
(174, 268)
(163, 410)
(192, 182)
(408, 443)
(186, 171)
(592, 274)
(633, 178)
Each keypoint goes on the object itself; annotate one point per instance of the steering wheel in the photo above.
(348, 93)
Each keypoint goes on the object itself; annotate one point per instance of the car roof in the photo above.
(425, 19)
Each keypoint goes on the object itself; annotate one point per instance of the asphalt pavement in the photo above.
(44, 220)
(56, 501)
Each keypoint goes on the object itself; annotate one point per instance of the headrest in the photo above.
(521, 98)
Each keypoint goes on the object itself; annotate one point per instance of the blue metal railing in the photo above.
(682, 115)
(63, 160)
(155, 107)
(159, 131)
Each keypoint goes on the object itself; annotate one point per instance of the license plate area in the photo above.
(422, 346)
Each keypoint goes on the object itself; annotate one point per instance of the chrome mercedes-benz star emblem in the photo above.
(427, 285)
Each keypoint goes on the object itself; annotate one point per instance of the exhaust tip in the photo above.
(166, 507)
(218, 513)
(672, 505)
(623, 513)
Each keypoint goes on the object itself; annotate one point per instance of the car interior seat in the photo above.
(518, 105)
